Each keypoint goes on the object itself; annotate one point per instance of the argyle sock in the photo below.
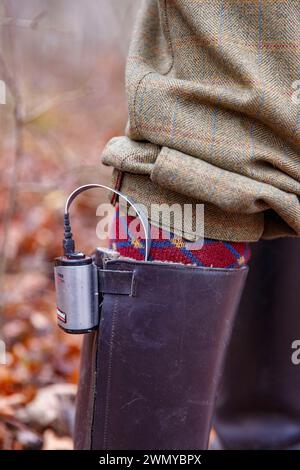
(169, 247)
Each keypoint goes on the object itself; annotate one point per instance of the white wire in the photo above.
(142, 216)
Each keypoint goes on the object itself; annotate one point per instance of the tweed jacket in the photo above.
(214, 114)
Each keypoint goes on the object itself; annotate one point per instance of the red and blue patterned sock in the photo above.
(169, 247)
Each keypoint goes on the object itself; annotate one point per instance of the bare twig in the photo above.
(32, 24)
(32, 115)
(13, 88)
(13, 187)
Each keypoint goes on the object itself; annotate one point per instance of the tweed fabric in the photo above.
(211, 114)
(168, 247)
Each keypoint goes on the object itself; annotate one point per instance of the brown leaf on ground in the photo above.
(54, 442)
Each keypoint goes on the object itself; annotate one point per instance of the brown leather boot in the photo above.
(259, 402)
(149, 376)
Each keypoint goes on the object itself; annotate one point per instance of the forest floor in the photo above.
(61, 149)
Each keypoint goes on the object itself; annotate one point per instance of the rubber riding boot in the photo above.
(149, 376)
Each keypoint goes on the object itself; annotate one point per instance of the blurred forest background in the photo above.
(63, 65)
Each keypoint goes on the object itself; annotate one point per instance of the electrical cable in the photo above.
(68, 241)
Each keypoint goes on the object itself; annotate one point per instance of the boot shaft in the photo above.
(149, 376)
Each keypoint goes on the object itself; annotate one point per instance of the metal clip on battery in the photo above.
(76, 276)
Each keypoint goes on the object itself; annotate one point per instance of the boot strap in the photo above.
(116, 282)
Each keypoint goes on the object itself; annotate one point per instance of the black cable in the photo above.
(68, 242)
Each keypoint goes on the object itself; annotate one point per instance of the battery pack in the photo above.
(76, 284)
